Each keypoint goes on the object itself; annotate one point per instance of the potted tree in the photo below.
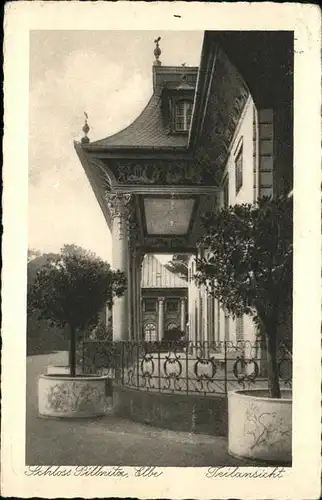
(174, 339)
(247, 265)
(70, 289)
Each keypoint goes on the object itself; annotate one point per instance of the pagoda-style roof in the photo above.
(182, 172)
(149, 130)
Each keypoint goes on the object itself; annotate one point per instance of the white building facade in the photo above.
(247, 176)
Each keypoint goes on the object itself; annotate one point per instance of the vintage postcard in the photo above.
(161, 281)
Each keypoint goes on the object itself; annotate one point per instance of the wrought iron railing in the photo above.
(208, 368)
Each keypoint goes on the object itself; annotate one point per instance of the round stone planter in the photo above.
(62, 370)
(73, 397)
(260, 427)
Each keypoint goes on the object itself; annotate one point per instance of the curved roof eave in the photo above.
(147, 131)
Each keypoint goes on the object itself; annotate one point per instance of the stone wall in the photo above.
(179, 412)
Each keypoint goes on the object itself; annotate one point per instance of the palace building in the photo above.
(164, 298)
(210, 136)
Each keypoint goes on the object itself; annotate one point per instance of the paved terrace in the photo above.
(110, 440)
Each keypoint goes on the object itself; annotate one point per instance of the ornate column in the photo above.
(120, 208)
(132, 276)
(205, 315)
(134, 295)
(141, 318)
(139, 304)
(183, 314)
(160, 318)
(199, 336)
(136, 302)
(108, 316)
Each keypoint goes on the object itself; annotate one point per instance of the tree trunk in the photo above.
(272, 368)
(72, 351)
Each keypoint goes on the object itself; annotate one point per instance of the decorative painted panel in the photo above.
(166, 244)
(227, 99)
(162, 172)
(70, 397)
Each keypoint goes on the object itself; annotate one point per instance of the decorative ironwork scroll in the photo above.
(186, 367)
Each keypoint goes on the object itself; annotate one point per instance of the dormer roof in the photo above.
(171, 76)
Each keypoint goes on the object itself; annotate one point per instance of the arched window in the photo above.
(150, 332)
(172, 326)
(183, 112)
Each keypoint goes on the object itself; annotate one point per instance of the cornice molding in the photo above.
(93, 180)
(169, 190)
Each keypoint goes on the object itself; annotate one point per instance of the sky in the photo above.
(108, 74)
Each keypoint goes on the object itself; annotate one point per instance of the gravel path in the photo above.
(110, 440)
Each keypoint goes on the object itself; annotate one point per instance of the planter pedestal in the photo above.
(260, 427)
(62, 370)
(73, 397)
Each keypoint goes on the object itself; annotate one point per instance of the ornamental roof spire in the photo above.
(184, 84)
(86, 129)
(157, 52)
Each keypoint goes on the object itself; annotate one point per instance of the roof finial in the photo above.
(184, 83)
(157, 52)
(85, 139)
(183, 74)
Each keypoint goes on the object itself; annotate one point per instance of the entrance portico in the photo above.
(146, 223)
(178, 159)
(152, 188)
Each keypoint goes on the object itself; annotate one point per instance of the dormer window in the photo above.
(183, 112)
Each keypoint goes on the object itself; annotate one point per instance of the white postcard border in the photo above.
(303, 479)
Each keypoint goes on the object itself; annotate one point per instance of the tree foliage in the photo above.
(246, 260)
(32, 254)
(173, 339)
(73, 286)
(179, 265)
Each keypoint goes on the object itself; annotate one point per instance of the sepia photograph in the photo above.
(161, 281)
(159, 324)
